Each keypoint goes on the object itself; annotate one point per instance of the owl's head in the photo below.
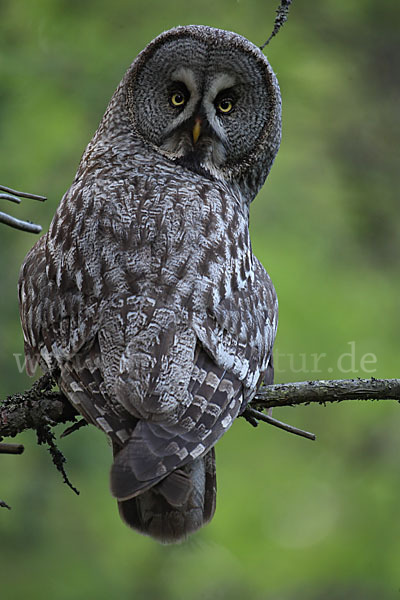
(208, 100)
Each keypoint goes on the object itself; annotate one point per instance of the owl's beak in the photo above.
(196, 130)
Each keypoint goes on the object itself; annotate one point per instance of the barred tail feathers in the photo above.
(178, 505)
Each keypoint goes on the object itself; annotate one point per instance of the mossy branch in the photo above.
(321, 392)
(41, 408)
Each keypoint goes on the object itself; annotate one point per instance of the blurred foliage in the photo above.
(295, 519)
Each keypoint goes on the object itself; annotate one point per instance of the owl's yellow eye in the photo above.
(225, 106)
(177, 99)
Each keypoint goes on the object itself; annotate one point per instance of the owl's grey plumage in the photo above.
(144, 296)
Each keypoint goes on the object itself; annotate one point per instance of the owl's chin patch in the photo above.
(191, 162)
(205, 157)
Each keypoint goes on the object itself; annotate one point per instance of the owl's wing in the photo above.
(58, 318)
(233, 354)
(150, 450)
(240, 331)
(32, 280)
(155, 449)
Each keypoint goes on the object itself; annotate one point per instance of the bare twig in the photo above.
(74, 427)
(18, 224)
(11, 448)
(12, 196)
(23, 194)
(260, 416)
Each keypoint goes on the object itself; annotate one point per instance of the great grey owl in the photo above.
(144, 298)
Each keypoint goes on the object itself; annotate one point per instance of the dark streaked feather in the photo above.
(161, 517)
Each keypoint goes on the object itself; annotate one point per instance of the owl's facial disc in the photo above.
(196, 137)
(202, 101)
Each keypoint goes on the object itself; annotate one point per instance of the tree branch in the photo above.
(11, 448)
(22, 194)
(254, 416)
(39, 409)
(12, 196)
(321, 392)
(41, 406)
(34, 408)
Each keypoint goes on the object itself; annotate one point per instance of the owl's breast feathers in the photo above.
(152, 248)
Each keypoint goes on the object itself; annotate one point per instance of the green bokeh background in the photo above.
(294, 519)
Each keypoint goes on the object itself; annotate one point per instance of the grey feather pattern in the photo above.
(145, 294)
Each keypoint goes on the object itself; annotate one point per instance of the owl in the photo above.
(144, 298)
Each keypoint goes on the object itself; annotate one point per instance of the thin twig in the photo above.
(23, 194)
(11, 195)
(259, 416)
(11, 448)
(74, 427)
(18, 224)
